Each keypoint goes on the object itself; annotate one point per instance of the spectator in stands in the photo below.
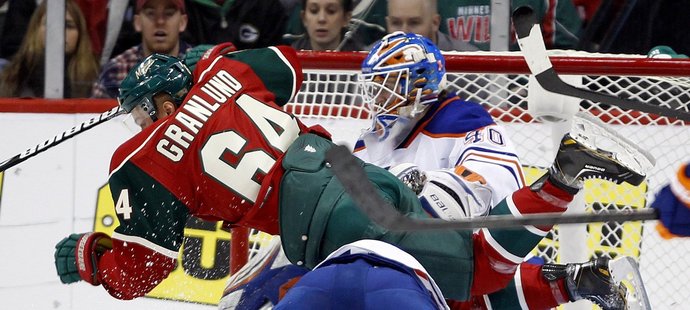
(245, 23)
(14, 27)
(418, 16)
(160, 23)
(638, 26)
(24, 75)
(586, 9)
(421, 17)
(19, 12)
(96, 16)
(470, 21)
(326, 22)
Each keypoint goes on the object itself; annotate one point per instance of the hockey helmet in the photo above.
(402, 69)
(402, 74)
(154, 74)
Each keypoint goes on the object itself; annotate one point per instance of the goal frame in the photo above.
(572, 63)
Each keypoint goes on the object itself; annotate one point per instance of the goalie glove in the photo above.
(673, 205)
(410, 175)
(76, 256)
(448, 194)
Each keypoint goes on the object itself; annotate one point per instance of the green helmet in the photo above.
(154, 74)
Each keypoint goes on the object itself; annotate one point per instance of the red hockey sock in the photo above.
(549, 199)
(540, 293)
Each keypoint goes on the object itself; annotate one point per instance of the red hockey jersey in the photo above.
(218, 157)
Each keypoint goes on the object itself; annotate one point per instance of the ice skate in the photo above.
(626, 271)
(590, 150)
(592, 281)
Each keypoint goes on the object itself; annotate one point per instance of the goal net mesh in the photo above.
(500, 82)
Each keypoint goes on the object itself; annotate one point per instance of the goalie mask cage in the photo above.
(500, 82)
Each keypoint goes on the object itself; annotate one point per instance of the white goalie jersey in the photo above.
(454, 133)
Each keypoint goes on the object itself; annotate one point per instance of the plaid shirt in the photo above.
(116, 70)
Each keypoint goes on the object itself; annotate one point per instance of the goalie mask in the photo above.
(155, 74)
(400, 77)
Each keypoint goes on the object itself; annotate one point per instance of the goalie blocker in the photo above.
(448, 194)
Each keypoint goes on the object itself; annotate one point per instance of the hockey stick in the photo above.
(31, 152)
(350, 173)
(533, 49)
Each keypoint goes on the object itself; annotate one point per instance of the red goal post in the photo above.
(500, 81)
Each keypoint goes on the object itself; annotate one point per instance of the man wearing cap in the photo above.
(160, 23)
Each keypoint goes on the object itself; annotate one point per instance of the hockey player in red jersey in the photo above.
(223, 149)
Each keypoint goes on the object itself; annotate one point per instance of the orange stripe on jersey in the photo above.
(444, 135)
(420, 126)
(469, 175)
(453, 135)
(514, 163)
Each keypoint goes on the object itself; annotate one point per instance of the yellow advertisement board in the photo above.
(203, 265)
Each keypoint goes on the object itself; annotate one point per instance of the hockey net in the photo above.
(500, 81)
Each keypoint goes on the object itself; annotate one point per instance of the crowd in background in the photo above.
(104, 39)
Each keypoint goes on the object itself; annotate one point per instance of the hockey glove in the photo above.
(76, 256)
(410, 175)
(673, 205)
(455, 194)
(203, 51)
(449, 194)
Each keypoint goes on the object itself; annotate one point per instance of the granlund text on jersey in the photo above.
(195, 112)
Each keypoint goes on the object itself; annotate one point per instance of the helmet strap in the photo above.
(149, 106)
(153, 116)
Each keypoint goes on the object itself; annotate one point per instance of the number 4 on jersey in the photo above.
(122, 206)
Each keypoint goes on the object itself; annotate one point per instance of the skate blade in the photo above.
(625, 270)
(593, 134)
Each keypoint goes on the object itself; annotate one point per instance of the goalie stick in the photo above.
(531, 44)
(57, 139)
(350, 173)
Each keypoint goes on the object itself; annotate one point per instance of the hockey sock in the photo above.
(540, 293)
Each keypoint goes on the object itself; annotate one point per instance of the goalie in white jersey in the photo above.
(415, 120)
(458, 160)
